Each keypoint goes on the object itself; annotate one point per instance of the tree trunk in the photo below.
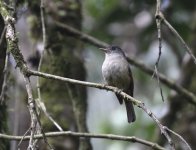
(65, 102)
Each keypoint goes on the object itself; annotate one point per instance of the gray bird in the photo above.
(116, 72)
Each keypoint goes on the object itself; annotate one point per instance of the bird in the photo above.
(116, 72)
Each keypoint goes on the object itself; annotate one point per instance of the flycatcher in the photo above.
(116, 72)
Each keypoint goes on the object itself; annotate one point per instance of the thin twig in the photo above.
(31, 106)
(16, 115)
(82, 36)
(43, 21)
(158, 81)
(158, 22)
(23, 137)
(159, 18)
(2, 35)
(5, 78)
(14, 49)
(41, 105)
(191, 97)
(38, 82)
(88, 135)
(173, 30)
(42, 132)
(44, 43)
(179, 136)
(161, 127)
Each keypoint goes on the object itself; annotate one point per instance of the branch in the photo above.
(158, 22)
(42, 106)
(12, 42)
(82, 36)
(110, 88)
(2, 35)
(31, 104)
(180, 137)
(5, 80)
(191, 97)
(161, 127)
(84, 83)
(39, 101)
(172, 29)
(87, 135)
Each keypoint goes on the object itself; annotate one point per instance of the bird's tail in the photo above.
(129, 107)
(130, 111)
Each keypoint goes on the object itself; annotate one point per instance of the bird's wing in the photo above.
(120, 98)
(129, 105)
(131, 85)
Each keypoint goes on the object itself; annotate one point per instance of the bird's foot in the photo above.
(119, 91)
(104, 85)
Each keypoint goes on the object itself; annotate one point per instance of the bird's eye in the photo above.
(113, 48)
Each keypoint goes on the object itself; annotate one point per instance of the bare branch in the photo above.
(12, 42)
(159, 18)
(4, 86)
(110, 88)
(158, 81)
(41, 105)
(39, 100)
(84, 83)
(179, 136)
(82, 36)
(191, 97)
(173, 30)
(31, 106)
(2, 35)
(23, 137)
(88, 135)
(42, 9)
(161, 127)
(39, 126)
(158, 22)
(44, 42)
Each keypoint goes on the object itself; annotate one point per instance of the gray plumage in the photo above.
(116, 72)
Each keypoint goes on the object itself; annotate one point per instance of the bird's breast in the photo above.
(115, 71)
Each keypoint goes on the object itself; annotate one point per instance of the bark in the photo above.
(66, 103)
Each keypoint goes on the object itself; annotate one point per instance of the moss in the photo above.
(4, 12)
(66, 102)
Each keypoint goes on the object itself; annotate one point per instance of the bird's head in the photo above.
(112, 49)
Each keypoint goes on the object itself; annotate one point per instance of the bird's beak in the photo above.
(104, 49)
